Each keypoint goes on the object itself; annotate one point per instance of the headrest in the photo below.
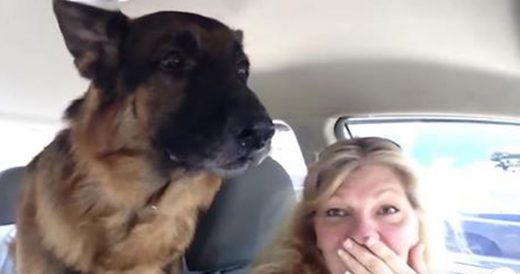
(243, 217)
(10, 181)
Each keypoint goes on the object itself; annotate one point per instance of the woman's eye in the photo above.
(335, 212)
(388, 210)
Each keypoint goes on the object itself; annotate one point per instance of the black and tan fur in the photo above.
(167, 114)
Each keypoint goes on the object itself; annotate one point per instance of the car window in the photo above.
(21, 140)
(285, 149)
(470, 181)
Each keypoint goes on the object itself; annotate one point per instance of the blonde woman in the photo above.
(359, 214)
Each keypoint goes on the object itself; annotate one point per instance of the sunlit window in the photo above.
(21, 140)
(470, 180)
(286, 151)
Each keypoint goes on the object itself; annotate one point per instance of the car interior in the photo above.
(439, 77)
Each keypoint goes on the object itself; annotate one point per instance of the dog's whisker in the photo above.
(171, 156)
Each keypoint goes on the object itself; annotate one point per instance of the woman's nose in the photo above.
(363, 229)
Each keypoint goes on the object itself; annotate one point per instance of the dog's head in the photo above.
(183, 77)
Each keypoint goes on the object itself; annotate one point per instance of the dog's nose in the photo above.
(256, 136)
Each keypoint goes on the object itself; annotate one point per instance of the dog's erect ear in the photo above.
(93, 35)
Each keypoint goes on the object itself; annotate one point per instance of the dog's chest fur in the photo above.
(119, 227)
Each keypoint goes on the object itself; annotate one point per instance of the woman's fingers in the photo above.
(360, 258)
(375, 257)
(388, 256)
(416, 259)
(353, 266)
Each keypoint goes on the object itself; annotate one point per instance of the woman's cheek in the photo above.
(330, 236)
(330, 239)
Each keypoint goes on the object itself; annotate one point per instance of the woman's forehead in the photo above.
(370, 181)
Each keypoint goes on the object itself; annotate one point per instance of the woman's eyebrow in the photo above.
(337, 200)
(388, 190)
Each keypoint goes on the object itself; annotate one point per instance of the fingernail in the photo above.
(348, 244)
(370, 241)
(347, 272)
(341, 252)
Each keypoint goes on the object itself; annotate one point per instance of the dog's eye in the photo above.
(173, 61)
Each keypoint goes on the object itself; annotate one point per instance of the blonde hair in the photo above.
(295, 251)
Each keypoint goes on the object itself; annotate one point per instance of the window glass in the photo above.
(286, 151)
(21, 140)
(470, 180)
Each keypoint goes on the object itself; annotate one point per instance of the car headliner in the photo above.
(309, 59)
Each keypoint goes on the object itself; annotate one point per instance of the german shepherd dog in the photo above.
(167, 114)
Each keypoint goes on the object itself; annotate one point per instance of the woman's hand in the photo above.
(374, 257)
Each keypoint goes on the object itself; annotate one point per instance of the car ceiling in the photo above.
(310, 58)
